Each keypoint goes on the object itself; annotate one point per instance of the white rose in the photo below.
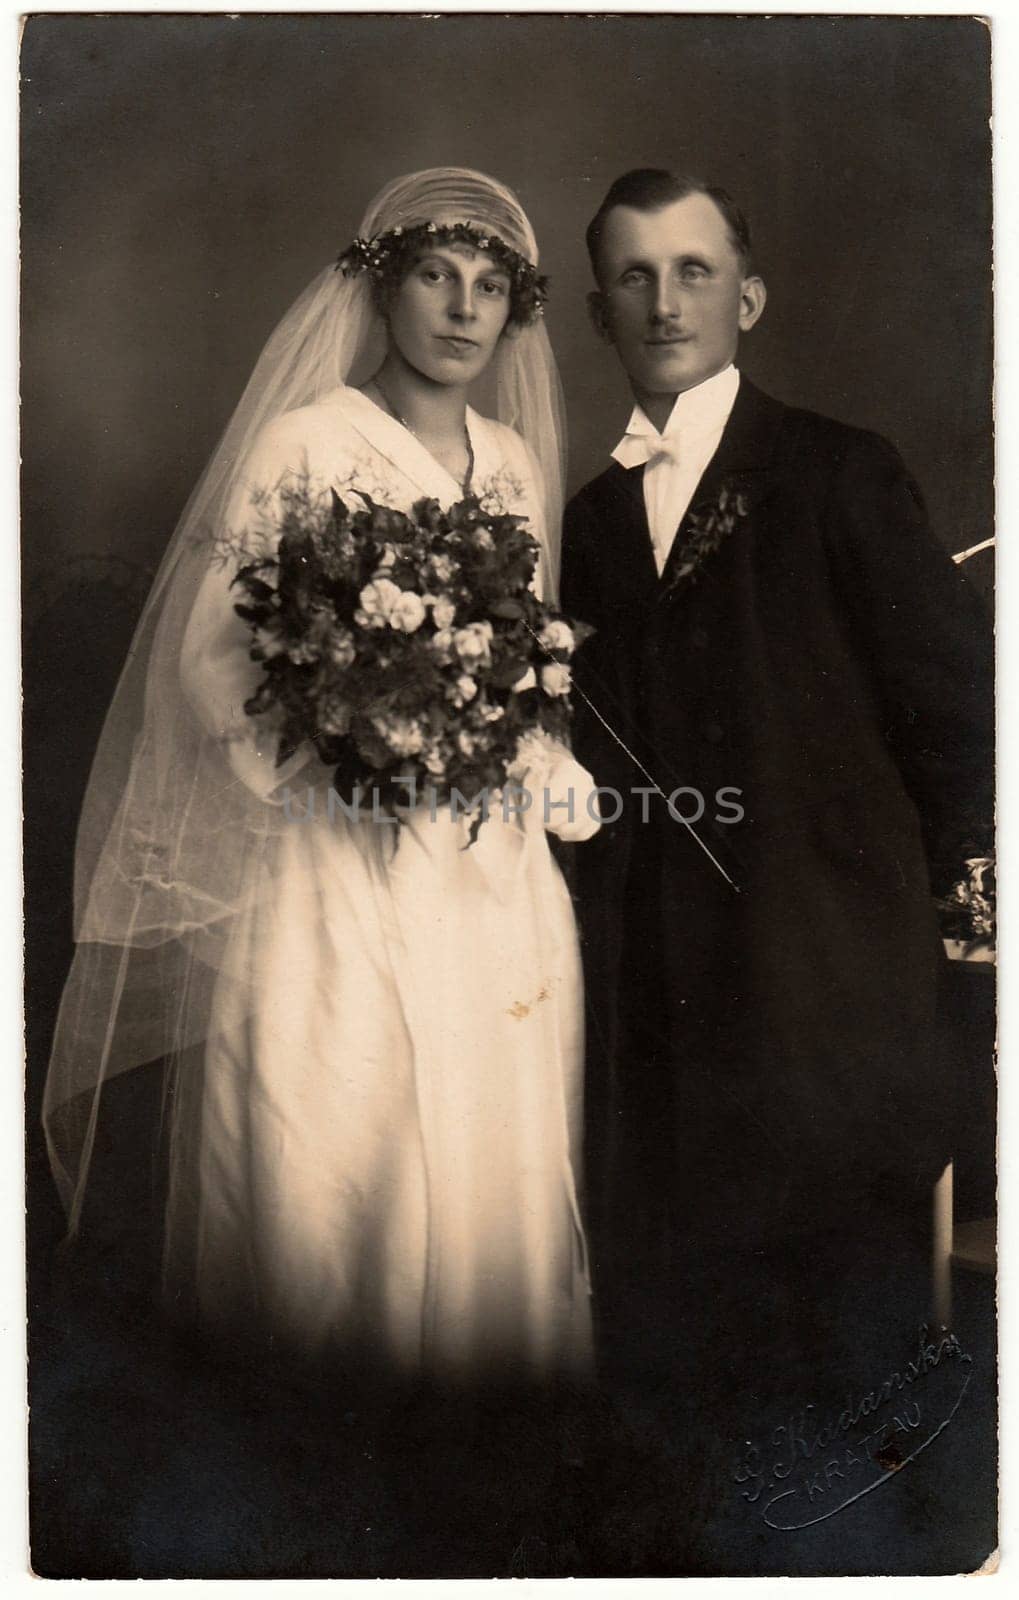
(443, 612)
(442, 644)
(465, 689)
(407, 613)
(557, 636)
(465, 742)
(377, 600)
(404, 736)
(473, 644)
(555, 678)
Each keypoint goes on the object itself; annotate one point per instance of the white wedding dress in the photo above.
(388, 1122)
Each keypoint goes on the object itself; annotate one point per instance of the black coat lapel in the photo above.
(744, 452)
(629, 515)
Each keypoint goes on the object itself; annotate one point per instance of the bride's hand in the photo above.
(570, 801)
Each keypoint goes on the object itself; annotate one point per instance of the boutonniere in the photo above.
(706, 527)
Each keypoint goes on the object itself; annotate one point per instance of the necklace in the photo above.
(469, 475)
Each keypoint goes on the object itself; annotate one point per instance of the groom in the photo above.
(782, 647)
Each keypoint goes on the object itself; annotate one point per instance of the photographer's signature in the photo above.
(812, 1469)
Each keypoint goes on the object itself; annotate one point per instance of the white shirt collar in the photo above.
(701, 410)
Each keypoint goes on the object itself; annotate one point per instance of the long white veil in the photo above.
(169, 847)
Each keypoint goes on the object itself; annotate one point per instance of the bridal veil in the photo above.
(170, 847)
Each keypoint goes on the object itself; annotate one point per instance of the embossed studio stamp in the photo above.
(818, 1461)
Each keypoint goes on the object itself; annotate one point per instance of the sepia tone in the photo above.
(182, 179)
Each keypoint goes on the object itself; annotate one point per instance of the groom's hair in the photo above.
(651, 188)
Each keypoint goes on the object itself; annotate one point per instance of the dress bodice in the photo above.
(348, 443)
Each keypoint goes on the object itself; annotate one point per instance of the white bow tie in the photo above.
(640, 449)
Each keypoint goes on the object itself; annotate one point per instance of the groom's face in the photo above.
(672, 294)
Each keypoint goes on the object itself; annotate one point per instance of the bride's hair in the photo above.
(390, 258)
(170, 848)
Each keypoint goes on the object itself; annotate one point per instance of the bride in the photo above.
(373, 1033)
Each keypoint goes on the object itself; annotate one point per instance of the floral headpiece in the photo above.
(389, 257)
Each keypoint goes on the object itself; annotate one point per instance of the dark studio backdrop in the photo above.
(183, 177)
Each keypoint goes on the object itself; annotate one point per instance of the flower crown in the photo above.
(389, 257)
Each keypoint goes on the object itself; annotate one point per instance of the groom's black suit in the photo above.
(760, 1060)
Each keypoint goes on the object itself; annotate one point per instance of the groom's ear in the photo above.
(752, 298)
(598, 312)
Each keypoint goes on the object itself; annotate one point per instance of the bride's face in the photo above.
(449, 313)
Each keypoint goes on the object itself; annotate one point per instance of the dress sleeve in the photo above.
(217, 673)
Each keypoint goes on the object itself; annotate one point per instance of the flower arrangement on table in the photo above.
(968, 914)
(409, 649)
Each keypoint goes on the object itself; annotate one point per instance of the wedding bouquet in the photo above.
(410, 650)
